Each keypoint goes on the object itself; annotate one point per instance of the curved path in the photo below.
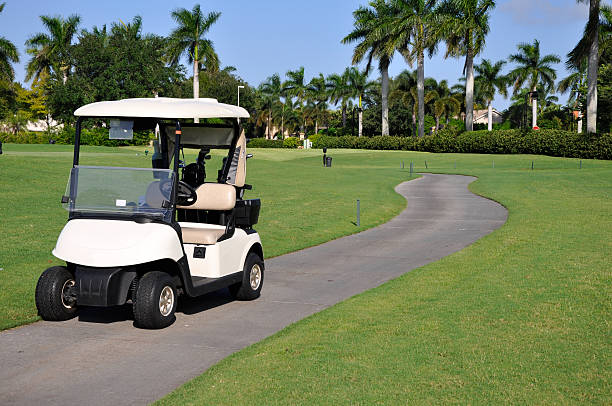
(100, 358)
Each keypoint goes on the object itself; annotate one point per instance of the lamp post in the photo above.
(239, 87)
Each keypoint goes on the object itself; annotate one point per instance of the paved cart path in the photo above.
(99, 358)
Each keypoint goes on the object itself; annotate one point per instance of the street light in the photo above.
(239, 87)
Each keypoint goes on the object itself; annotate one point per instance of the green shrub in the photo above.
(291, 142)
(93, 136)
(264, 143)
(543, 142)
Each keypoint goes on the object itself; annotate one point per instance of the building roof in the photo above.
(162, 107)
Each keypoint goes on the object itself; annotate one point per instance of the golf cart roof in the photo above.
(162, 107)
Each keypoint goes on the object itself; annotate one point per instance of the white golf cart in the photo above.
(146, 236)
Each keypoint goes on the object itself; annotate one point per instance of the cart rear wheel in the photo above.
(155, 301)
(252, 279)
(55, 299)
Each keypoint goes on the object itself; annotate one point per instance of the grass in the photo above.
(303, 204)
(522, 316)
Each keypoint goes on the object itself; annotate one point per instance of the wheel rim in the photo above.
(68, 284)
(255, 276)
(166, 301)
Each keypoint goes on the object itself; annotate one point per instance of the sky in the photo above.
(263, 37)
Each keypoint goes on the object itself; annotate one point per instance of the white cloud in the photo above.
(544, 12)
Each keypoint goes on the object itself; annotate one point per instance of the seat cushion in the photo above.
(196, 233)
(214, 196)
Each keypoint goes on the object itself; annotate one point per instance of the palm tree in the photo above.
(587, 51)
(576, 84)
(264, 105)
(490, 82)
(402, 86)
(284, 114)
(358, 81)
(339, 91)
(188, 38)
(130, 30)
(465, 26)
(532, 70)
(372, 32)
(295, 86)
(413, 31)
(50, 51)
(8, 55)
(445, 105)
(271, 91)
(317, 100)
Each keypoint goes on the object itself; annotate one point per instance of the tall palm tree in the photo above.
(189, 38)
(532, 70)
(587, 51)
(8, 55)
(50, 51)
(296, 86)
(131, 30)
(285, 115)
(339, 91)
(358, 81)
(263, 105)
(576, 85)
(465, 27)
(414, 32)
(372, 33)
(491, 81)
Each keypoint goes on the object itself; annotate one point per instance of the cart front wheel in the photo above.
(155, 301)
(55, 296)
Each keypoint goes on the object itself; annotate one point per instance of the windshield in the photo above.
(129, 191)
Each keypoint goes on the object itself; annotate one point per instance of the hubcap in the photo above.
(255, 276)
(166, 301)
(67, 301)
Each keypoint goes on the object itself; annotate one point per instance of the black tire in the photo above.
(147, 301)
(49, 296)
(245, 290)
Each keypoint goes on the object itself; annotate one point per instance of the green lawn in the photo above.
(523, 316)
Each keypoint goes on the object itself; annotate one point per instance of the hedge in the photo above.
(94, 136)
(542, 142)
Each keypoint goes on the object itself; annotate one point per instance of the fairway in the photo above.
(521, 316)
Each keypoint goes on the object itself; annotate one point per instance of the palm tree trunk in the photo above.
(385, 99)
(592, 69)
(437, 123)
(360, 122)
(316, 126)
(413, 123)
(421, 91)
(580, 124)
(269, 117)
(469, 91)
(490, 117)
(343, 116)
(196, 84)
(282, 127)
(534, 111)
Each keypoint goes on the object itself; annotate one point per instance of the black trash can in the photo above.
(328, 161)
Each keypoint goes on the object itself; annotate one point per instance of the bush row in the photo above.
(291, 142)
(94, 136)
(542, 142)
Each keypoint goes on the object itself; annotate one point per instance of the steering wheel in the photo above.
(185, 194)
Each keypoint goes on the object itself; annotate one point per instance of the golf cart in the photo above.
(146, 236)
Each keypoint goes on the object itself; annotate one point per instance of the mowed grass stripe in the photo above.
(520, 316)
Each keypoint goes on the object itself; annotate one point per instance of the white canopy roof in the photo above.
(162, 107)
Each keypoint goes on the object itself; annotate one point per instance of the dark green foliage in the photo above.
(543, 142)
(93, 136)
(113, 67)
(264, 143)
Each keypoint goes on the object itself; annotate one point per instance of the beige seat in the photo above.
(211, 196)
(196, 233)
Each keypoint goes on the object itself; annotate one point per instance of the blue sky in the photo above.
(262, 37)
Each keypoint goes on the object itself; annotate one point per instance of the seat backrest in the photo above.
(214, 196)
